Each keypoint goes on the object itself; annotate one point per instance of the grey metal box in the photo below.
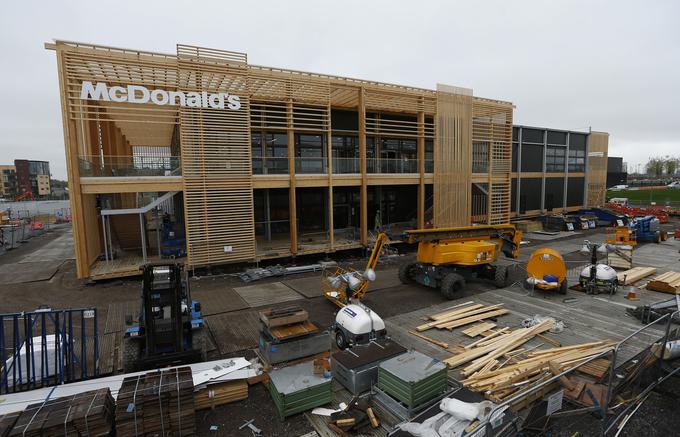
(278, 352)
(357, 368)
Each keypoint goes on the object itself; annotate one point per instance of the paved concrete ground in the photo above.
(227, 307)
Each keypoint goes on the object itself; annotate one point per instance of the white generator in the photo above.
(355, 323)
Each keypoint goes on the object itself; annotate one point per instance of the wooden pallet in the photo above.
(283, 316)
(85, 414)
(292, 331)
(157, 403)
(668, 282)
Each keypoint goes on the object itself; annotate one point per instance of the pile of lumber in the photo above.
(219, 394)
(461, 315)
(85, 414)
(287, 323)
(502, 381)
(157, 403)
(635, 274)
(668, 282)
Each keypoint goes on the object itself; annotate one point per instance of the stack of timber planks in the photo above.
(157, 403)
(85, 414)
(668, 282)
(500, 382)
(633, 275)
(461, 315)
(220, 394)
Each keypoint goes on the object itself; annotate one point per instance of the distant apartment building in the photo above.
(32, 176)
(8, 181)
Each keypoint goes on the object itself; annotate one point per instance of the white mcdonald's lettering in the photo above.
(141, 94)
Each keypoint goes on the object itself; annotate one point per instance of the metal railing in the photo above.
(346, 165)
(391, 165)
(121, 166)
(311, 165)
(270, 165)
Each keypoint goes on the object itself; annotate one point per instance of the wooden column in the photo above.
(329, 157)
(421, 169)
(292, 204)
(75, 192)
(363, 193)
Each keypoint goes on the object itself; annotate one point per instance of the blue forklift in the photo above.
(170, 330)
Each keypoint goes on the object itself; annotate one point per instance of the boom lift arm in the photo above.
(345, 284)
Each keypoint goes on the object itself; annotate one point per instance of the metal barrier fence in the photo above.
(48, 347)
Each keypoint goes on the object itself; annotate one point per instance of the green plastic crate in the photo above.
(295, 389)
(412, 378)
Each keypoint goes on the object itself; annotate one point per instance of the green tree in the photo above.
(655, 166)
(671, 165)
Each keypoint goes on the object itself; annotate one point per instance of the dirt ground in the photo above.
(63, 290)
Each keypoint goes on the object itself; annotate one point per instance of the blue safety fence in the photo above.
(47, 347)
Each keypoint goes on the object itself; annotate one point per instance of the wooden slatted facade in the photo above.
(596, 179)
(217, 179)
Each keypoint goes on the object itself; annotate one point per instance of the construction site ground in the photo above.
(41, 272)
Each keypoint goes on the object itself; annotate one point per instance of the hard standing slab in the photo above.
(235, 331)
(218, 301)
(267, 294)
(20, 273)
(59, 249)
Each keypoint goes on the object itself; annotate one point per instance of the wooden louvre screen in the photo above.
(453, 157)
(598, 145)
(216, 164)
(492, 127)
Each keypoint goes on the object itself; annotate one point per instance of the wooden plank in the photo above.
(635, 274)
(457, 315)
(431, 340)
(475, 318)
(477, 329)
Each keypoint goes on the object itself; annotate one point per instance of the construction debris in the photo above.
(635, 274)
(258, 273)
(668, 282)
(502, 382)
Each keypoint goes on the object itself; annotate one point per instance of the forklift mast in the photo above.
(162, 287)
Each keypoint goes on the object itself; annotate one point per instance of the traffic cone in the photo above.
(632, 295)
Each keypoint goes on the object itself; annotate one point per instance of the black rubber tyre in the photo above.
(664, 235)
(657, 237)
(340, 340)
(452, 285)
(405, 273)
(563, 287)
(501, 276)
(132, 350)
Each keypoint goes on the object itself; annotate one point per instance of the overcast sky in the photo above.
(610, 65)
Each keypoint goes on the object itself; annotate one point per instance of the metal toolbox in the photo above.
(357, 368)
(412, 378)
(296, 388)
(275, 352)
